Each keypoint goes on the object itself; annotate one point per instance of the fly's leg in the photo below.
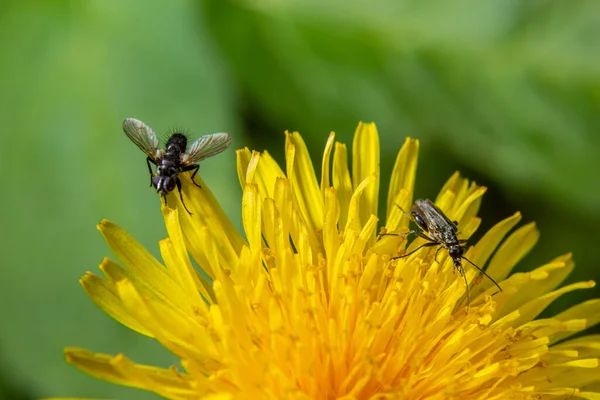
(193, 167)
(181, 196)
(148, 161)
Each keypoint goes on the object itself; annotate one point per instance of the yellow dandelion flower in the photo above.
(311, 304)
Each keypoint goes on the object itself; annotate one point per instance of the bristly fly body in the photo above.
(176, 157)
(439, 230)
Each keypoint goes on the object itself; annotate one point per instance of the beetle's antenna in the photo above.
(468, 290)
(410, 217)
(483, 272)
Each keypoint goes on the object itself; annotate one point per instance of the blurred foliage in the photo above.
(70, 72)
(506, 91)
(510, 87)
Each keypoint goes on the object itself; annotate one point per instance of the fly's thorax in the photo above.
(176, 145)
(167, 167)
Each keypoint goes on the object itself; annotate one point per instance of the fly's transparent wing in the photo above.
(206, 146)
(142, 135)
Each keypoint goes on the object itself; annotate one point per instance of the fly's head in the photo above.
(164, 184)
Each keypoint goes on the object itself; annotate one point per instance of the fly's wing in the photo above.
(142, 135)
(206, 146)
(436, 219)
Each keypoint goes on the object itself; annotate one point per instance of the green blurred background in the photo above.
(506, 91)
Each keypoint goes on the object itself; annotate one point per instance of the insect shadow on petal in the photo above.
(176, 157)
(438, 230)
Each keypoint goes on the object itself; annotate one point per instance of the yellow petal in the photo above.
(194, 226)
(243, 157)
(251, 217)
(284, 202)
(554, 273)
(325, 165)
(585, 347)
(481, 252)
(403, 179)
(206, 210)
(365, 164)
(588, 310)
(175, 255)
(119, 369)
(261, 170)
(342, 181)
(268, 172)
(251, 170)
(469, 207)
(304, 181)
(171, 294)
(460, 199)
(354, 210)
(137, 259)
(534, 307)
(331, 235)
(514, 248)
(104, 294)
(179, 332)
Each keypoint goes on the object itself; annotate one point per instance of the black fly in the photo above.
(174, 158)
(440, 231)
